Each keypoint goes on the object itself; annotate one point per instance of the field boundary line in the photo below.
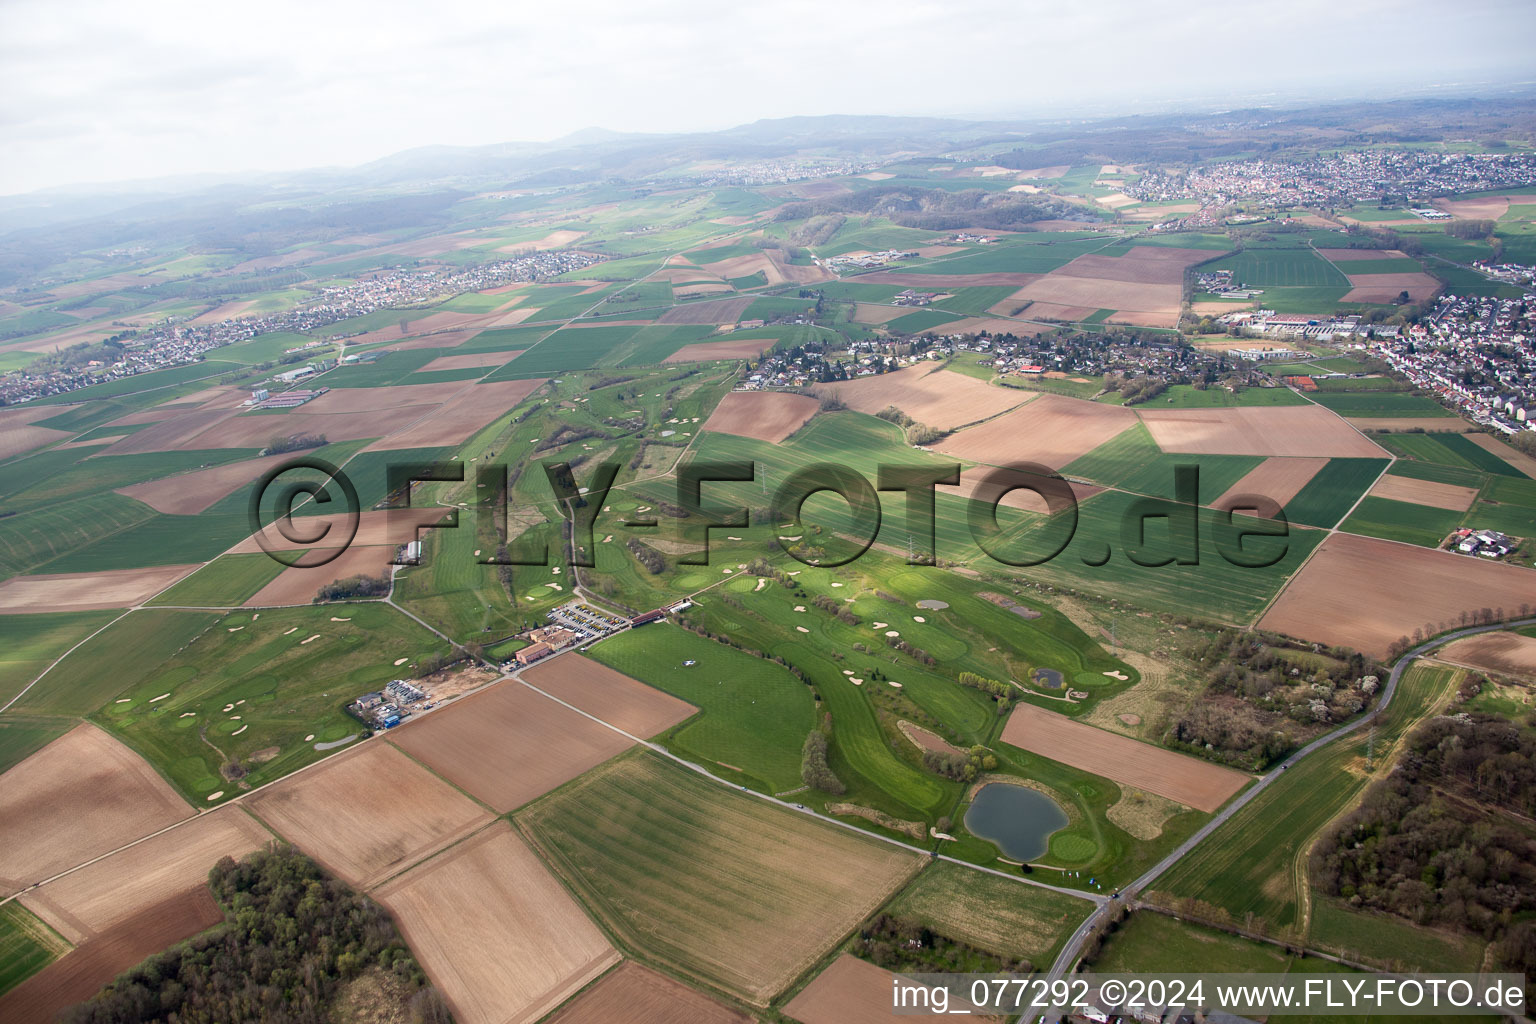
(701, 770)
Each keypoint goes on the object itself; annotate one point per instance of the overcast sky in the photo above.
(107, 90)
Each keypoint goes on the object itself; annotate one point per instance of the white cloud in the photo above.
(98, 90)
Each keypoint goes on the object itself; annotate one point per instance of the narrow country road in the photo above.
(1074, 945)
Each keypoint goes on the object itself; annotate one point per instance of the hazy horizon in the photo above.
(99, 94)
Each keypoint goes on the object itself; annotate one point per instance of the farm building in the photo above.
(644, 617)
(532, 653)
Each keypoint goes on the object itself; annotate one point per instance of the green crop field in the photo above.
(755, 715)
(1184, 396)
(991, 913)
(30, 643)
(1381, 403)
(1401, 520)
(1150, 942)
(1333, 491)
(1255, 863)
(1458, 475)
(253, 685)
(31, 539)
(1280, 268)
(225, 582)
(1132, 461)
(27, 945)
(23, 735)
(719, 886)
(1447, 450)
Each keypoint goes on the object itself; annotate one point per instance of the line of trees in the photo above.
(814, 769)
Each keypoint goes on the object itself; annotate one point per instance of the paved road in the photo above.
(1073, 947)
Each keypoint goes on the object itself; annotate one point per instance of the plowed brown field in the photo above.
(1278, 430)
(1052, 430)
(764, 415)
(939, 398)
(1425, 492)
(626, 703)
(496, 933)
(1189, 780)
(638, 995)
(1276, 479)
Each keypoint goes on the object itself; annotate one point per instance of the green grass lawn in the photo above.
(1400, 520)
(754, 714)
(288, 672)
(1185, 396)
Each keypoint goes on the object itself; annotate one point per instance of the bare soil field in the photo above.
(1130, 268)
(1521, 461)
(297, 584)
(388, 526)
(258, 430)
(629, 704)
(939, 398)
(1133, 318)
(1383, 288)
(88, 902)
(1044, 310)
(940, 282)
(1104, 293)
(926, 739)
(696, 288)
(1273, 430)
(1424, 492)
(1479, 208)
(1277, 479)
(1054, 171)
(1189, 780)
(1365, 593)
(765, 262)
(497, 934)
(190, 493)
(396, 396)
(638, 995)
(179, 426)
(469, 360)
(994, 325)
(460, 417)
(81, 973)
(1507, 653)
(17, 434)
(507, 745)
(704, 351)
(225, 311)
(851, 991)
(554, 240)
(876, 314)
(432, 324)
(1159, 212)
(764, 415)
(715, 311)
(1428, 424)
(368, 813)
(81, 796)
(1052, 430)
(82, 591)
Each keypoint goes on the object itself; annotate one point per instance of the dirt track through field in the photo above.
(79, 797)
(1364, 593)
(495, 931)
(507, 745)
(602, 692)
(1188, 780)
(83, 591)
(368, 813)
(102, 895)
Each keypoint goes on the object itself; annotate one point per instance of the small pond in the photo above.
(1018, 819)
(1048, 678)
